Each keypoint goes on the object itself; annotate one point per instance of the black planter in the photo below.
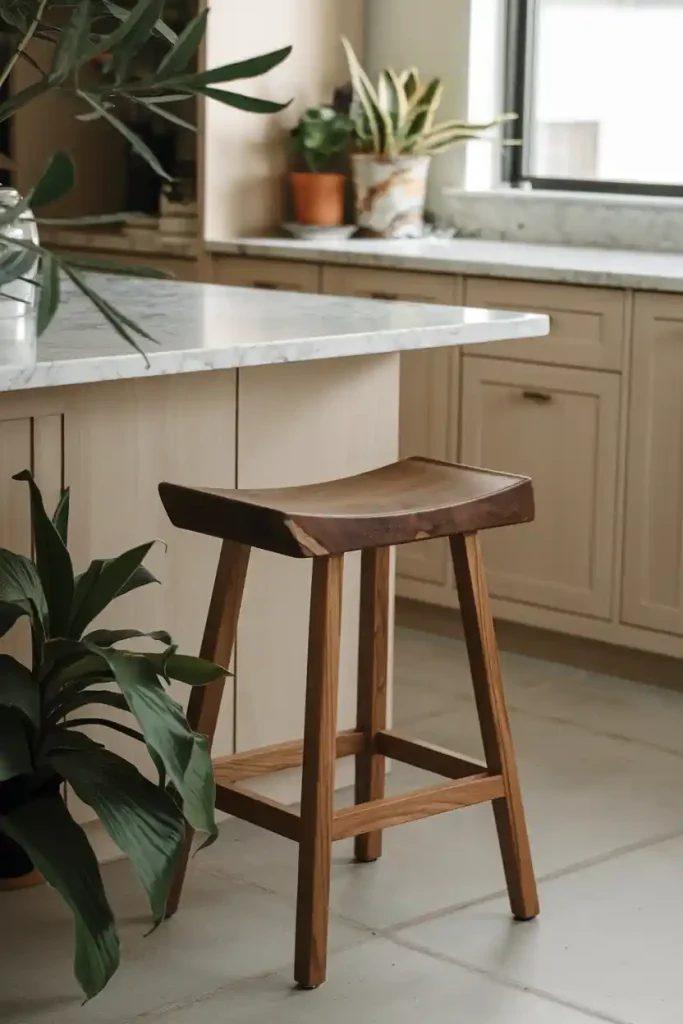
(15, 864)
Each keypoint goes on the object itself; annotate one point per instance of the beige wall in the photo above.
(434, 36)
(246, 154)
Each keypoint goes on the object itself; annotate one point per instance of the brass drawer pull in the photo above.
(385, 296)
(537, 396)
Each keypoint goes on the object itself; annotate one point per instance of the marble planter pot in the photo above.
(391, 194)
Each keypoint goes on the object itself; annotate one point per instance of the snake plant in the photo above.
(81, 677)
(79, 34)
(398, 116)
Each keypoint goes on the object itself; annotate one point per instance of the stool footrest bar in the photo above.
(427, 756)
(264, 760)
(423, 803)
(259, 810)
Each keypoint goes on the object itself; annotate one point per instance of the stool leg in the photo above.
(218, 644)
(495, 727)
(373, 657)
(317, 787)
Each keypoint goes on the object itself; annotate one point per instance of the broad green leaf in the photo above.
(53, 560)
(234, 99)
(184, 754)
(15, 752)
(75, 699)
(142, 577)
(142, 820)
(60, 519)
(102, 582)
(109, 637)
(9, 614)
(20, 586)
(48, 301)
(186, 45)
(185, 668)
(56, 181)
(251, 68)
(19, 689)
(140, 147)
(60, 851)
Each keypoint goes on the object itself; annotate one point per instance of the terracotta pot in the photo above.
(318, 198)
(391, 195)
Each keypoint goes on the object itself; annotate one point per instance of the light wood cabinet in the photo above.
(561, 427)
(279, 275)
(587, 325)
(653, 549)
(428, 403)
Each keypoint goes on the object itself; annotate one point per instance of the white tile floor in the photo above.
(426, 931)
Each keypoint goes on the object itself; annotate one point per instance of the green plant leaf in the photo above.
(56, 180)
(15, 752)
(60, 519)
(140, 147)
(123, 13)
(48, 301)
(253, 67)
(60, 851)
(185, 755)
(20, 586)
(185, 668)
(142, 577)
(136, 26)
(141, 819)
(73, 39)
(364, 92)
(74, 699)
(114, 317)
(109, 637)
(19, 689)
(185, 47)
(53, 561)
(233, 99)
(160, 111)
(101, 583)
(9, 614)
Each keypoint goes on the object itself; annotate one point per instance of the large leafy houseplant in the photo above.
(80, 677)
(80, 33)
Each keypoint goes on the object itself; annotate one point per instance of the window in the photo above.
(598, 86)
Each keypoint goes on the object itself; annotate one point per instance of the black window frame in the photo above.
(520, 50)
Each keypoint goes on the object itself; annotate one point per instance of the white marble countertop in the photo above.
(613, 268)
(208, 327)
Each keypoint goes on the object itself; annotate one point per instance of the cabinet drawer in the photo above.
(560, 427)
(391, 284)
(272, 275)
(587, 325)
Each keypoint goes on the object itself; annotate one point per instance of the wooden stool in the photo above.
(413, 500)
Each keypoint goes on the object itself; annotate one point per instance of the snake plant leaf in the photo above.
(365, 94)
(52, 560)
(410, 81)
(185, 755)
(60, 519)
(56, 181)
(185, 46)
(19, 689)
(141, 819)
(15, 752)
(60, 851)
(20, 586)
(184, 668)
(101, 583)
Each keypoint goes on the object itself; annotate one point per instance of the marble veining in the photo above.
(209, 327)
(566, 264)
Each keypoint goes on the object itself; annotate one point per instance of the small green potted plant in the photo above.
(80, 677)
(318, 191)
(395, 139)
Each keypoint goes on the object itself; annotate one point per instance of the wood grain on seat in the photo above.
(411, 500)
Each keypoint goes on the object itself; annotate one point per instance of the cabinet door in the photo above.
(587, 325)
(429, 393)
(271, 275)
(559, 427)
(653, 550)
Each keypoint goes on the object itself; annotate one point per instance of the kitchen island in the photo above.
(242, 389)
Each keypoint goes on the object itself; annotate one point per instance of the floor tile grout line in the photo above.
(506, 982)
(550, 876)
